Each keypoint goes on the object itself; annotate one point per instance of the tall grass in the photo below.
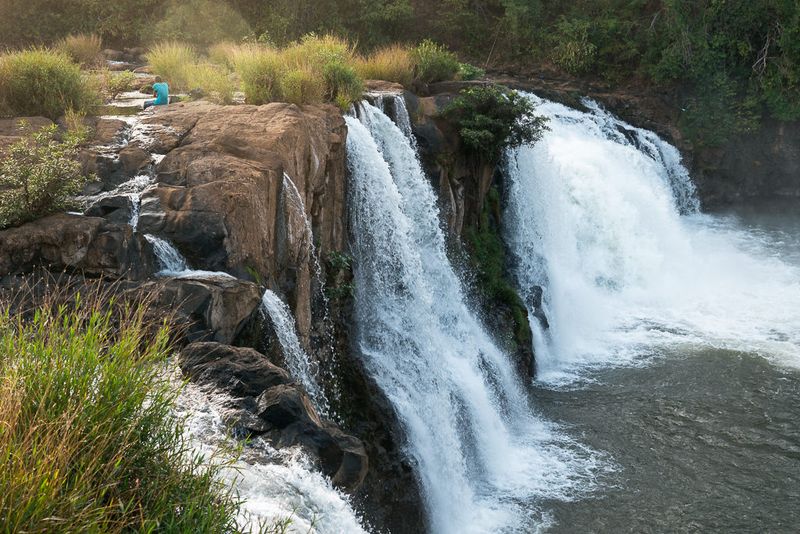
(88, 442)
(392, 63)
(434, 62)
(261, 70)
(83, 48)
(173, 61)
(43, 82)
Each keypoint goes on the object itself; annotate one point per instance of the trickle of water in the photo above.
(169, 258)
(298, 363)
(483, 458)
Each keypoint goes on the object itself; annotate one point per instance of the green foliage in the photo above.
(488, 257)
(212, 81)
(434, 62)
(573, 51)
(342, 84)
(40, 175)
(43, 82)
(302, 86)
(392, 63)
(173, 61)
(260, 70)
(84, 49)
(115, 83)
(470, 72)
(491, 118)
(87, 433)
(200, 22)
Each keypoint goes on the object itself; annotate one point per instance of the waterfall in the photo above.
(298, 363)
(604, 217)
(481, 454)
(169, 258)
(274, 485)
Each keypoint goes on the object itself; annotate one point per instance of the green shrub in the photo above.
(83, 48)
(302, 86)
(491, 118)
(342, 84)
(115, 83)
(260, 70)
(173, 61)
(470, 72)
(573, 51)
(434, 62)
(40, 175)
(200, 22)
(43, 82)
(392, 64)
(212, 81)
(87, 433)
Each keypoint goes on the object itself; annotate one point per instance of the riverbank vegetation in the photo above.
(88, 439)
(729, 63)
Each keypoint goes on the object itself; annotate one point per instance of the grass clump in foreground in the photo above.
(43, 82)
(88, 439)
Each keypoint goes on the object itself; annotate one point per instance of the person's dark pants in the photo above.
(148, 103)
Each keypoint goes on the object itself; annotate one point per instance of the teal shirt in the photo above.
(162, 93)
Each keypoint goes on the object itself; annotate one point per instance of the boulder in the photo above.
(134, 160)
(74, 242)
(212, 307)
(240, 372)
(114, 208)
(293, 420)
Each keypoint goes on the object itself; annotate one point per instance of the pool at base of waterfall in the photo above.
(707, 441)
(704, 438)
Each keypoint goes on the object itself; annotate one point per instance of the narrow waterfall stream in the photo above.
(298, 363)
(482, 455)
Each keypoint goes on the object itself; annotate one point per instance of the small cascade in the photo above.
(483, 458)
(299, 209)
(274, 485)
(298, 363)
(169, 258)
(604, 217)
(403, 119)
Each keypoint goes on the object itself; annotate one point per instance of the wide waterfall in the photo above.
(603, 216)
(483, 457)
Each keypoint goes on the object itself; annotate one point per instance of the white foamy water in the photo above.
(298, 363)
(482, 455)
(273, 485)
(604, 217)
(172, 263)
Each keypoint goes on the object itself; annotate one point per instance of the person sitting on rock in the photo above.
(160, 92)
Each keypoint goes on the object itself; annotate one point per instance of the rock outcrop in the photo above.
(283, 412)
(90, 245)
(222, 199)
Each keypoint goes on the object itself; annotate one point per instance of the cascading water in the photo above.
(298, 363)
(604, 217)
(170, 260)
(273, 485)
(482, 457)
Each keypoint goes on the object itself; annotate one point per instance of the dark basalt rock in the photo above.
(212, 308)
(116, 209)
(90, 245)
(240, 372)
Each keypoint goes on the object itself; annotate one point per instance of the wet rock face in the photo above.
(72, 242)
(211, 308)
(269, 403)
(221, 199)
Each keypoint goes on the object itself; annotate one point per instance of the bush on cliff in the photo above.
(434, 62)
(40, 175)
(492, 118)
(392, 63)
(88, 439)
(43, 82)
